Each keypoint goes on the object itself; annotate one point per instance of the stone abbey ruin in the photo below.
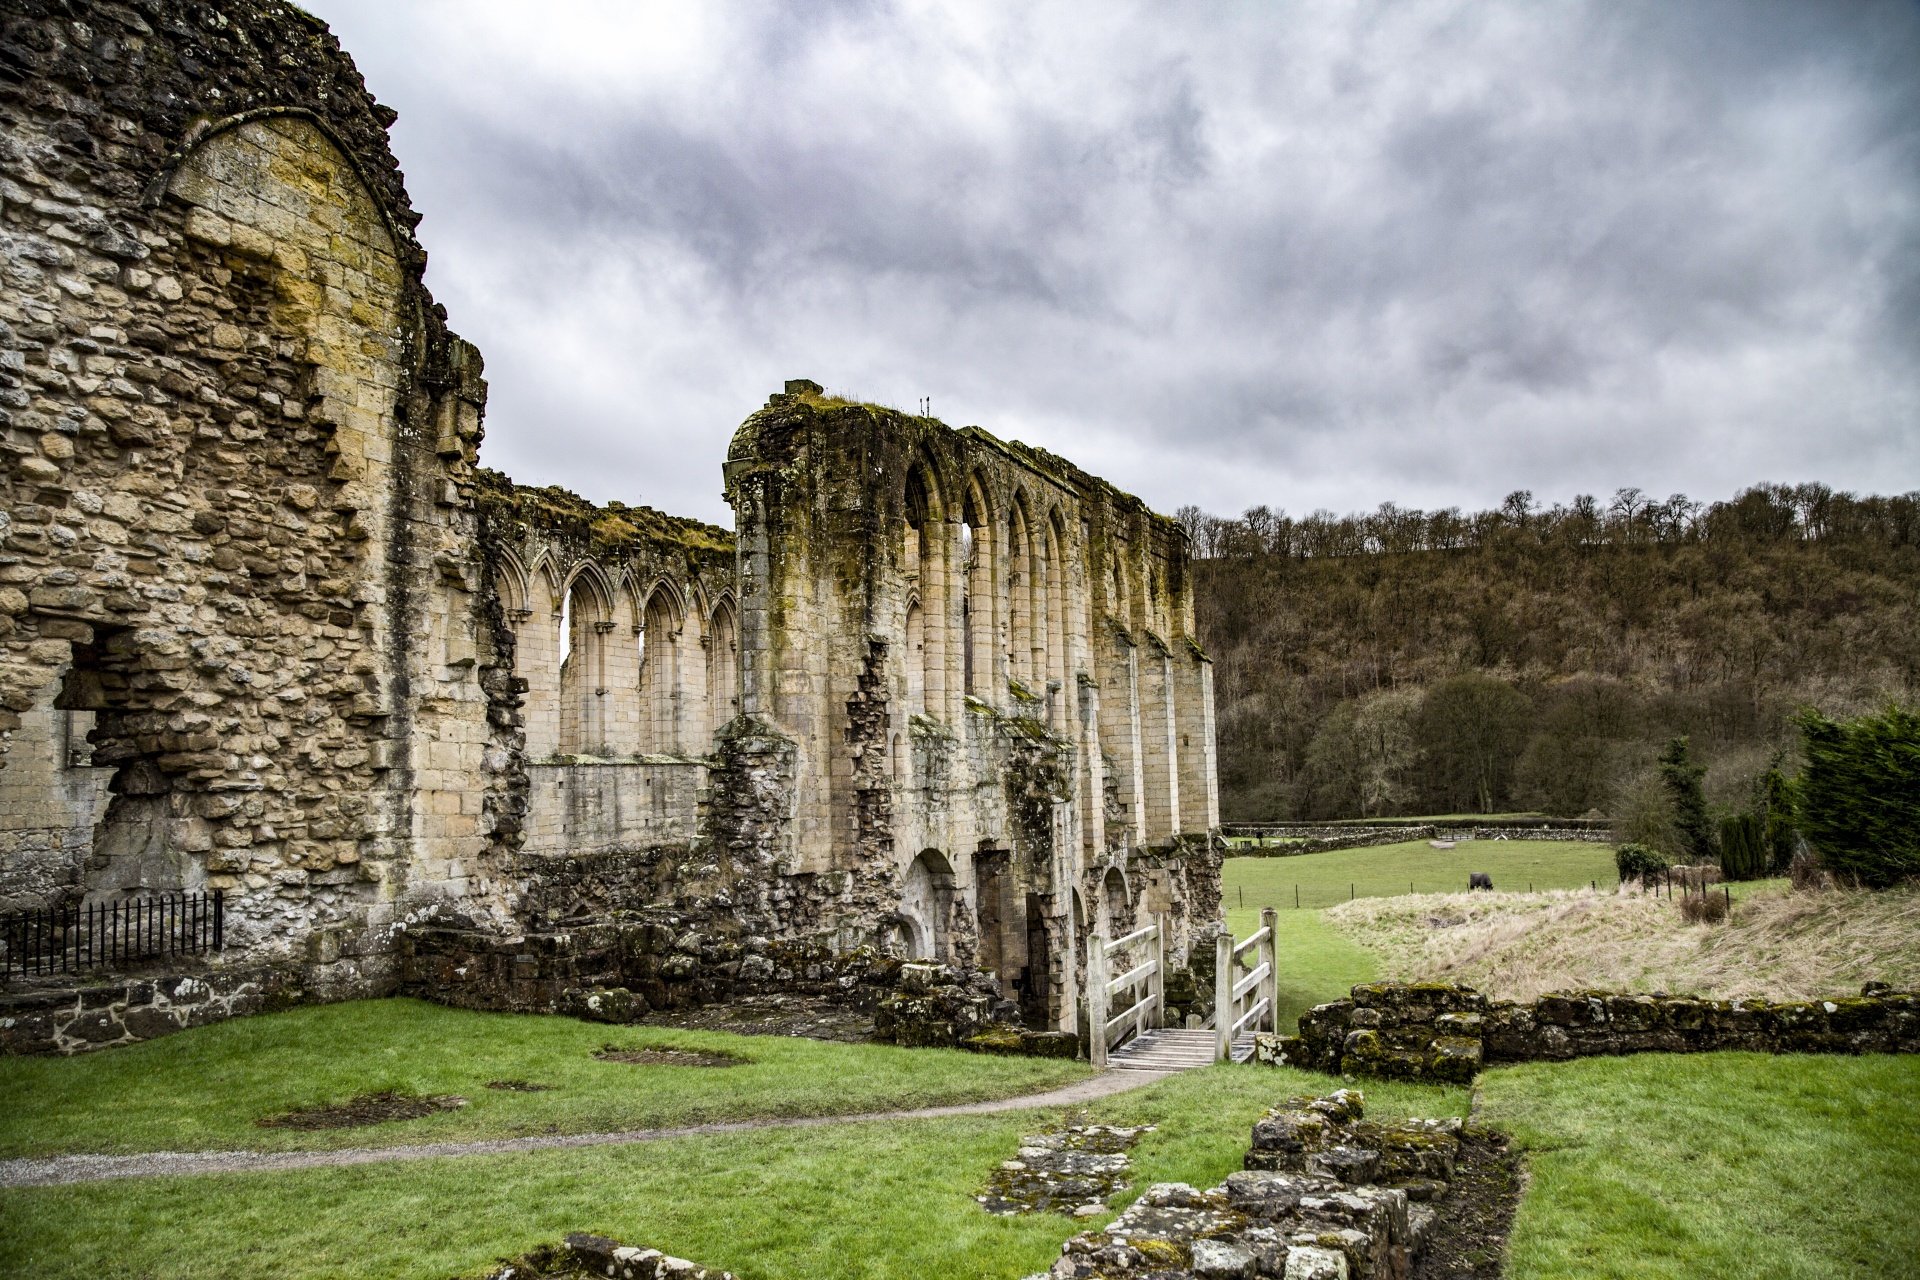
(270, 629)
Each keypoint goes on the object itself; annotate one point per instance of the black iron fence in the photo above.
(90, 935)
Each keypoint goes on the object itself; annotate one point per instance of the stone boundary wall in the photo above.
(1438, 1031)
(1347, 838)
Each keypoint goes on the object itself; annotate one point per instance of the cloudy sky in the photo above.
(1304, 254)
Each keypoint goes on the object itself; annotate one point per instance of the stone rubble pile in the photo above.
(1325, 1195)
(592, 1255)
(1072, 1171)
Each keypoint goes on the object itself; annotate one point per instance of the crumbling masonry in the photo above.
(269, 628)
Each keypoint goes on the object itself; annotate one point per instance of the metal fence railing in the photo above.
(92, 935)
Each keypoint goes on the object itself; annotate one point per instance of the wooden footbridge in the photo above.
(1245, 990)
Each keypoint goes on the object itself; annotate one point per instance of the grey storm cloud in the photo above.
(1303, 254)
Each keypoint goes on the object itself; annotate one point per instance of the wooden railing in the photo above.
(1246, 993)
(1146, 980)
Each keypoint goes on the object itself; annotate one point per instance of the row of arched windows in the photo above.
(610, 675)
(1015, 609)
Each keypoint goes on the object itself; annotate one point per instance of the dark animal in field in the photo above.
(1479, 880)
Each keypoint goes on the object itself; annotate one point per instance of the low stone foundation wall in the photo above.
(1438, 1031)
(72, 1020)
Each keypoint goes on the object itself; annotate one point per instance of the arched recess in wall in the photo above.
(660, 670)
(271, 198)
(977, 598)
(723, 667)
(586, 620)
(926, 908)
(924, 563)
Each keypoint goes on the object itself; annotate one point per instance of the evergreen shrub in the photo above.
(1859, 795)
(1638, 862)
(1743, 854)
(1779, 827)
(1682, 778)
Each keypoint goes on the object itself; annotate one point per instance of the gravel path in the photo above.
(53, 1171)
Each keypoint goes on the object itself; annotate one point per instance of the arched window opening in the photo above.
(923, 561)
(723, 669)
(916, 660)
(583, 676)
(1053, 620)
(1019, 598)
(659, 677)
(976, 576)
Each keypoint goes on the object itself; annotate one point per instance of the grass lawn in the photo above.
(1714, 1165)
(1717, 1165)
(862, 1200)
(203, 1089)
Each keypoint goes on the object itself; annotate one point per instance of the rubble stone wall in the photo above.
(1446, 1032)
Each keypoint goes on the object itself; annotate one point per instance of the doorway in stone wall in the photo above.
(142, 844)
(1002, 911)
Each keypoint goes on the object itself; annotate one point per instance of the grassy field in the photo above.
(1777, 944)
(203, 1089)
(876, 1199)
(1722, 1165)
(1325, 879)
(1318, 962)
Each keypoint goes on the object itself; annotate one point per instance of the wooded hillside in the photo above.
(1435, 662)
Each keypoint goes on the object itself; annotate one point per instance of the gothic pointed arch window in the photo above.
(723, 668)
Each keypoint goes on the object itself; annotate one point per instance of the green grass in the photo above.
(1727, 1165)
(873, 1199)
(1378, 871)
(203, 1089)
(1315, 962)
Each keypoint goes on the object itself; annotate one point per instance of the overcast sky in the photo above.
(1309, 255)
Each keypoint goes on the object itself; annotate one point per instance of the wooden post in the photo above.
(1270, 954)
(1157, 945)
(1097, 1001)
(1222, 995)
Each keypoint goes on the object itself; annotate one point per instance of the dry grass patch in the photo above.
(1777, 944)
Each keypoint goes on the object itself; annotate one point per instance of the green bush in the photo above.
(1859, 796)
(1637, 862)
(1743, 854)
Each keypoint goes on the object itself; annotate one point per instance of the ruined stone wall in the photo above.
(239, 533)
(983, 660)
(266, 627)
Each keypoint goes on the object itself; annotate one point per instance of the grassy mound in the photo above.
(1777, 944)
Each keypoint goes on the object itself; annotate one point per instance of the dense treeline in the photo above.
(1408, 661)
